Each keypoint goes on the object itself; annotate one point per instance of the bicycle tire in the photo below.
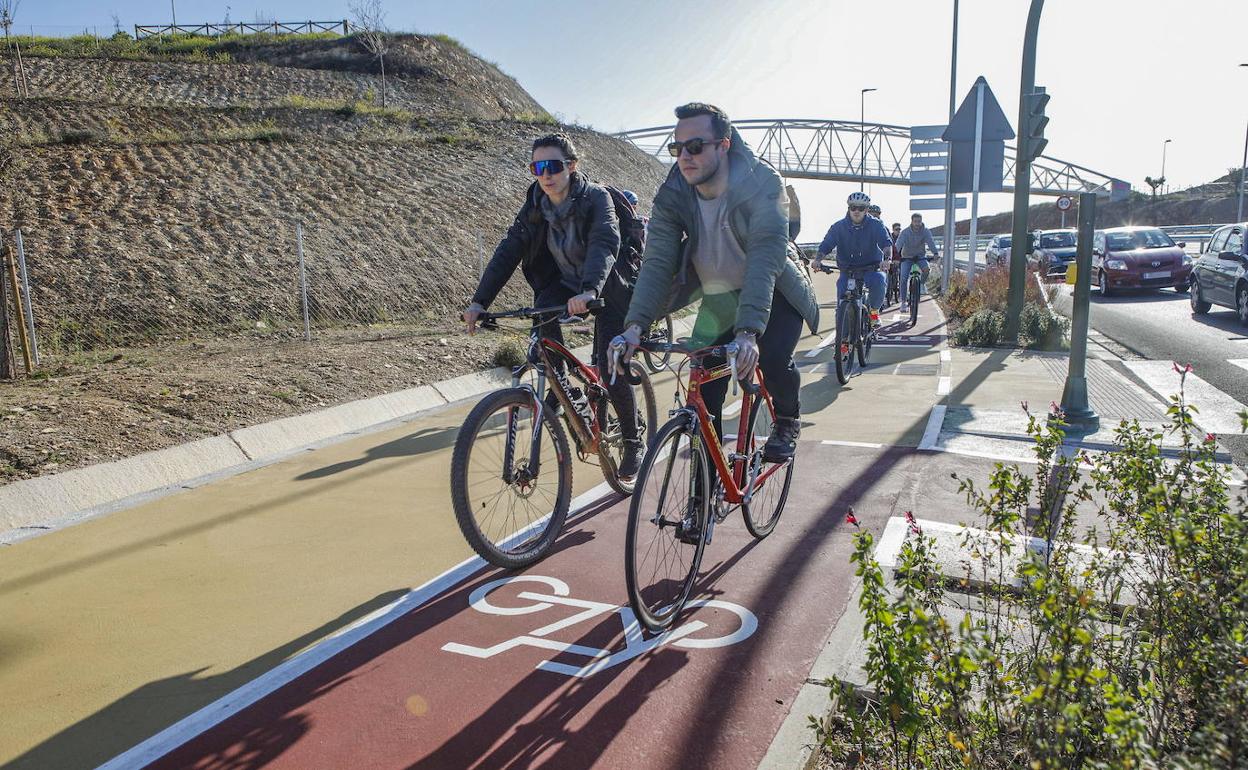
(865, 338)
(775, 490)
(497, 550)
(914, 301)
(647, 417)
(656, 603)
(846, 322)
(657, 362)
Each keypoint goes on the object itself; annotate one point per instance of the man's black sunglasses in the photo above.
(539, 167)
(694, 146)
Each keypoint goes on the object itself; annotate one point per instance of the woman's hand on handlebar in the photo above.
(579, 305)
(470, 316)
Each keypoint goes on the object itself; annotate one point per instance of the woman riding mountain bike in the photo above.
(565, 239)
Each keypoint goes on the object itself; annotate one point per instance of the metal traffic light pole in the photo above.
(1022, 175)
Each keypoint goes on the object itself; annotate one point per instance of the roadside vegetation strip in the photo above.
(1048, 659)
(241, 698)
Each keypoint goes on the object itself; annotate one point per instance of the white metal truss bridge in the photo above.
(834, 150)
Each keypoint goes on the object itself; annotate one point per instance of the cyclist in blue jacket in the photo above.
(860, 241)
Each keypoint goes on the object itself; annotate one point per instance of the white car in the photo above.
(998, 250)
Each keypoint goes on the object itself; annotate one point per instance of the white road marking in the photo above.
(1218, 412)
(292, 668)
(866, 444)
(823, 343)
(946, 355)
(1242, 363)
(934, 422)
(944, 385)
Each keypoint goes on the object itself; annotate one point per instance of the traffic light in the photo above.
(1036, 123)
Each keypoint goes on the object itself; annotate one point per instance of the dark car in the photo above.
(1221, 274)
(1138, 258)
(1054, 251)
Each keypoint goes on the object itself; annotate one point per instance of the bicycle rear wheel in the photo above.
(660, 331)
(846, 323)
(914, 300)
(671, 500)
(611, 442)
(767, 501)
(510, 503)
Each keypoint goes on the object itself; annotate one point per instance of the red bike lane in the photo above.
(545, 667)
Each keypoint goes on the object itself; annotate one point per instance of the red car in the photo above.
(1138, 258)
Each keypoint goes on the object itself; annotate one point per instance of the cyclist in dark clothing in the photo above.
(565, 241)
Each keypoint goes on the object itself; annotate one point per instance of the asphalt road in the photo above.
(1159, 326)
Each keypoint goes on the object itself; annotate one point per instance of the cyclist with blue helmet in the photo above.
(860, 241)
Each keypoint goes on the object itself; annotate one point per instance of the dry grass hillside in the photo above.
(158, 200)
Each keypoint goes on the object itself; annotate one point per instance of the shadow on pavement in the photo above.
(855, 491)
(421, 442)
(150, 708)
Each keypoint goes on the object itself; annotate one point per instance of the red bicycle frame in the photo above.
(736, 485)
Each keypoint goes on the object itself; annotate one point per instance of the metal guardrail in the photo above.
(1197, 235)
(877, 153)
(216, 30)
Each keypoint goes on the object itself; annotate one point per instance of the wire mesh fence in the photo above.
(87, 291)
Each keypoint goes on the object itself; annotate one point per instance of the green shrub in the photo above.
(41, 50)
(1124, 647)
(1040, 328)
(510, 353)
(542, 118)
(983, 329)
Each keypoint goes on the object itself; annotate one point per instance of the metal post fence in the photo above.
(30, 315)
(303, 282)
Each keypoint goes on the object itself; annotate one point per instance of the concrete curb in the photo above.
(36, 506)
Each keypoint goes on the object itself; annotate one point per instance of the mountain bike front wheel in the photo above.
(510, 493)
(866, 337)
(914, 300)
(846, 324)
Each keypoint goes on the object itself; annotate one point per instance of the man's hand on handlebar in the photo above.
(470, 316)
(621, 350)
(747, 354)
(579, 305)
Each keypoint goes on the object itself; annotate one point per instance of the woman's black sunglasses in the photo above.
(539, 167)
(694, 146)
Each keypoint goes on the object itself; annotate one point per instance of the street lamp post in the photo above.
(950, 213)
(1243, 171)
(862, 123)
(1163, 160)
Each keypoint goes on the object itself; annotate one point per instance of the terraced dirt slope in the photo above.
(159, 199)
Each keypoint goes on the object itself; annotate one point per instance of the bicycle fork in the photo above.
(513, 428)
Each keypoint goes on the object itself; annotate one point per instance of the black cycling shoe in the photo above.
(783, 440)
(630, 461)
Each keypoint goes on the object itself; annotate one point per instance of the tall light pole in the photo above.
(950, 214)
(173, 11)
(862, 123)
(1243, 171)
(1163, 158)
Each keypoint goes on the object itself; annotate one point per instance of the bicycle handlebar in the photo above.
(490, 320)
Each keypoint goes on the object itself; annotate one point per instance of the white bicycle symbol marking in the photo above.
(634, 643)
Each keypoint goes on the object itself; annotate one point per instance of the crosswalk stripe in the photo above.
(1218, 412)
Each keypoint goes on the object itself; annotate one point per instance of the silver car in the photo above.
(998, 250)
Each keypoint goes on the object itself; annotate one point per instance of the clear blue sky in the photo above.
(1124, 74)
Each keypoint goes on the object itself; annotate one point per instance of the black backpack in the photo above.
(632, 246)
(632, 237)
